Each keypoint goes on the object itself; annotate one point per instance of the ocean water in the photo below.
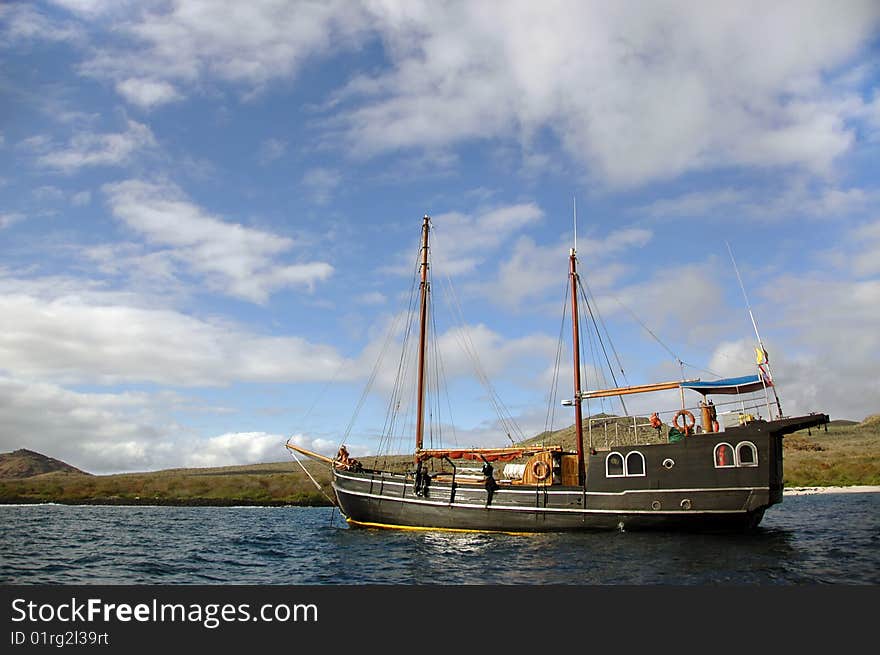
(820, 538)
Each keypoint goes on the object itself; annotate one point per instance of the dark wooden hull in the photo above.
(690, 494)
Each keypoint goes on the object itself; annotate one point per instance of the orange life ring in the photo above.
(541, 470)
(715, 426)
(689, 421)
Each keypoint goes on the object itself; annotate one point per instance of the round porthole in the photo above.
(686, 503)
(655, 504)
(668, 463)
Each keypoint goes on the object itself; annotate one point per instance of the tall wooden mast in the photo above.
(423, 322)
(576, 348)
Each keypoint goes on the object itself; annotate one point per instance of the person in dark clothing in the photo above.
(422, 480)
(491, 484)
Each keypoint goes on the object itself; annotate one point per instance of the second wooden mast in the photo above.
(423, 326)
(576, 348)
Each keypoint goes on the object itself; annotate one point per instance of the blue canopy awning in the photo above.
(743, 384)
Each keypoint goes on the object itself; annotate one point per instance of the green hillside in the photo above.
(848, 453)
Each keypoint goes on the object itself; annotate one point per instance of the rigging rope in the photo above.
(604, 351)
(435, 397)
(464, 340)
(586, 285)
(647, 329)
(554, 383)
(317, 484)
(678, 360)
(389, 338)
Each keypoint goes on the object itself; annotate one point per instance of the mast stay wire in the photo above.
(678, 360)
(560, 347)
(602, 344)
(439, 382)
(378, 365)
(463, 337)
(441, 370)
(585, 285)
(396, 396)
(598, 371)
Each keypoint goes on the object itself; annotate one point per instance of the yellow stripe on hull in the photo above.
(388, 526)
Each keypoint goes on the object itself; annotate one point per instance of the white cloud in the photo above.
(823, 339)
(863, 256)
(495, 353)
(638, 93)
(795, 199)
(461, 242)
(324, 446)
(828, 358)
(151, 273)
(686, 299)
(530, 270)
(235, 448)
(81, 198)
(251, 43)
(118, 432)
(77, 338)
(372, 298)
(735, 358)
(235, 259)
(810, 136)
(24, 22)
(47, 193)
(90, 149)
(271, 149)
(39, 143)
(7, 219)
(93, 431)
(696, 203)
(320, 183)
(95, 8)
(147, 93)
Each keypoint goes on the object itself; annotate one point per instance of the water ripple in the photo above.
(822, 539)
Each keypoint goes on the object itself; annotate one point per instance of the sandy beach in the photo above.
(800, 491)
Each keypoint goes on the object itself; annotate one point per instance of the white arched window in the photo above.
(617, 466)
(746, 454)
(614, 465)
(724, 456)
(635, 463)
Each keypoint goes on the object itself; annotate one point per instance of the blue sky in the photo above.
(209, 210)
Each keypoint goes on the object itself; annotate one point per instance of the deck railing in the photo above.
(606, 432)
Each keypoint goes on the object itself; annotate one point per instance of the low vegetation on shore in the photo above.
(282, 483)
(847, 454)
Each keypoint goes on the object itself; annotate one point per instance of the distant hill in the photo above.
(600, 430)
(24, 463)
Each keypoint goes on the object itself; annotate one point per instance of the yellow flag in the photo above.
(761, 356)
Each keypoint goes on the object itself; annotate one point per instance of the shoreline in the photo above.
(804, 491)
(154, 502)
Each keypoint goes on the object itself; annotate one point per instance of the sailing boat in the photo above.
(688, 477)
